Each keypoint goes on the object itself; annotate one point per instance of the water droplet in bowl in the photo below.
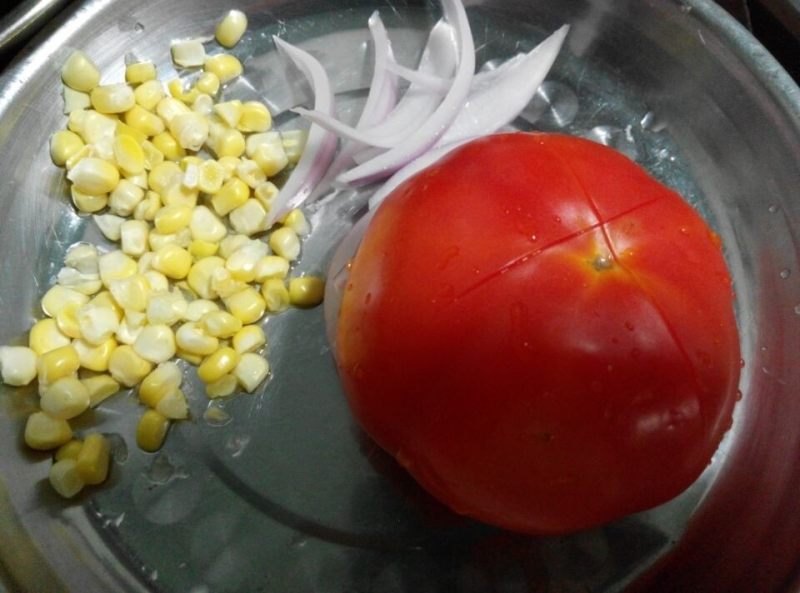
(785, 273)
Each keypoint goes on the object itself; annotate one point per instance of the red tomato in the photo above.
(541, 333)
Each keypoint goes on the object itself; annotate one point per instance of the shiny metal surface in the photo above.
(280, 492)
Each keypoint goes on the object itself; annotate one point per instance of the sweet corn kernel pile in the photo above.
(180, 181)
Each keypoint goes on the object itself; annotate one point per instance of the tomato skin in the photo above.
(541, 334)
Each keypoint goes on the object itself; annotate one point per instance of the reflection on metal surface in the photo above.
(279, 489)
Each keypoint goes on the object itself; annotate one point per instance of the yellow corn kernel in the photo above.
(139, 179)
(246, 305)
(106, 299)
(133, 236)
(95, 358)
(94, 176)
(249, 172)
(232, 243)
(129, 155)
(127, 367)
(59, 297)
(225, 66)
(165, 175)
(202, 103)
(79, 72)
(223, 387)
(148, 94)
(75, 100)
(97, 323)
(151, 431)
(155, 343)
(220, 363)
(200, 249)
(296, 221)
(173, 218)
(115, 265)
(271, 266)
(88, 203)
(190, 130)
(207, 83)
(249, 339)
(220, 324)
(17, 365)
(94, 459)
(158, 282)
(65, 479)
(125, 197)
(45, 336)
(198, 308)
(242, 262)
(188, 53)
(152, 155)
(193, 359)
(230, 29)
(98, 127)
(147, 122)
(64, 144)
(211, 176)
(180, 194)
(271, 156)
(169, 107)
(173, 405)
(65, 398)
(255, 117)
(229, 164)
(224, 284)
(113, 98)
(206, 226)
(233, 194)
(251, 370)
(131, 293)
(285, 242)
(77, 121)
(264, 193)
(55, 364)
(67, 320)
(306, 291)
(249, 219)
(225, 141)
(164, 379)
(78, 156)
(294, 142)
(123, 129)
(43, 432)
(275, 294)
(168, 146)
(172, 261)
(100, 388)
(200, 275)
(229, 112)
(140, 72)
(69, 450)
(175, 88)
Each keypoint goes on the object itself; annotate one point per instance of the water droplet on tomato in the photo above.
(738, 395)
(773, 208)
(684, 230)
(785, 273)
(557, 219)
(741, 363)
(797, 309)
(629, 326)
(534, 238)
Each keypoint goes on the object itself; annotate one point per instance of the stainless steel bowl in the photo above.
(286, 495)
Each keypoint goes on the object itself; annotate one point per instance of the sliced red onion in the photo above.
(435, 126)
(321, 144)
(418, 103)
(428, 81)
(497, 97)
(381, 99)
